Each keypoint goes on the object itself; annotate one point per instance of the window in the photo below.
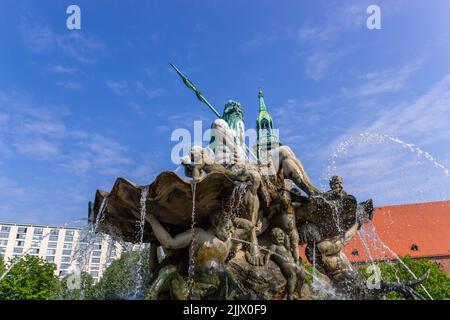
(65, 259)
(52, 244)
(37, 236)
(70, 233)
(65, 266)
(67, 246)
(355, 252)
(94, 273)
(21, 236)
(22, 230)
(35, 244)
(33, 251)
(68, 238)
(414, 247)
(95, 267)
(5, 229)
(51, 251)
(95, 260)
(67, 252)
(53, 238)
(63, 273)
(96, 253)
(18, 250)
(4, 235)
(3, 242)
(50, 258)
(97, 247)
(38, 230)
(20, 243)
(54, 232)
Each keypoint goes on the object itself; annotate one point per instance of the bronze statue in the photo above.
(215, 238)
(209, 249)
(280, 252)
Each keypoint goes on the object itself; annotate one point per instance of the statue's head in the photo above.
(222, 226)
(336, 183)
(232, 113)
(278, 236)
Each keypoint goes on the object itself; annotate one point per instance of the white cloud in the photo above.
(384, 81)
(335, 20)
(380, 165)
(425, 120)
(317, 65)
(150, 93)
(41, 39)
(118, 88)
(62, 69)
(38, 147)
(260, 40)
(71, 85)
(34, 131)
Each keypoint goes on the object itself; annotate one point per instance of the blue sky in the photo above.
(79, 108)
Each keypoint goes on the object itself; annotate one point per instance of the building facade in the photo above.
(58, 245)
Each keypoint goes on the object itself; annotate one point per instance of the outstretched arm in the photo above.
(242, 223)
(180, 241)
(269, 253)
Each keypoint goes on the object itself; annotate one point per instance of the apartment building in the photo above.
(58, 245)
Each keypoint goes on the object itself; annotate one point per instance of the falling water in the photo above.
(87, 238)
(319, 284)
(314, 258)
(362, 235)
(376, 238)
(342, 148)
(140, 239)
(237, 199)
(100, 216)
(191, 247)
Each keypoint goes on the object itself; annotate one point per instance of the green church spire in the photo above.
(262, 104)
(266, 139)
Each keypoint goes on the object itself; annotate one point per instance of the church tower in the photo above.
(266, 140)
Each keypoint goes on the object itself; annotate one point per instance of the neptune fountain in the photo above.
(232, 227)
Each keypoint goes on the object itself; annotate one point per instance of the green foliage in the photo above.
(31, 278)
(2, 265)
(77, 286)
(438, 283)
(308, 267)
(122, 277)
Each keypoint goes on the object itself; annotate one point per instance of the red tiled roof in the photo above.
(396, 229)
(424, 225)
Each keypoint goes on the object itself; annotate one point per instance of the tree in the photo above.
(437, 285)
(31, 278)
(125, 278)
(76, 286)
(2, 265)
